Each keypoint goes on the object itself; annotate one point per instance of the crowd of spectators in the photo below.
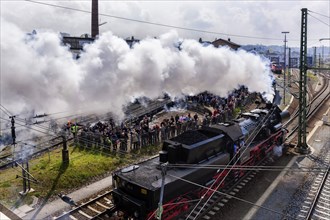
(223, 109)
(129, 136)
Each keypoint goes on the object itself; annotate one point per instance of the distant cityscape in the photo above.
(316, 56)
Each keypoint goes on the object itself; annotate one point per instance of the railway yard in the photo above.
(292, 186)
(160, 125)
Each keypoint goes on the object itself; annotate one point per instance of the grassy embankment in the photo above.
(85, 166)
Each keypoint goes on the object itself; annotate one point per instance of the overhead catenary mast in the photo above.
(302, 146)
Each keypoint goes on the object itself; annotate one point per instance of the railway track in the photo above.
(313, 106)
(220, 199)
(219, 202)
(101, 206)
(92, 209)
(134, 111)
(317, 202)
(96, 208)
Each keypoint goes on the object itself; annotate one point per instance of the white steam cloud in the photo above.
(40, 73)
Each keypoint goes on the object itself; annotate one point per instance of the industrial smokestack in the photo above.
(95, 18)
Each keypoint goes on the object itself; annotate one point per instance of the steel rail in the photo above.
(310, 113)
(77, 210)
(310, 110)
(318, 194)
(227, 194)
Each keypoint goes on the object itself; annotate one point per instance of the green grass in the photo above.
(55, 177)
(311, 75)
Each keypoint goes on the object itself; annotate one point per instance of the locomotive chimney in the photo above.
(95, 18)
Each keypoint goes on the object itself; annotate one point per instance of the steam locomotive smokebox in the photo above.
(163, 156)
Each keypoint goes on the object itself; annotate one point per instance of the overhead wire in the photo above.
(73, 116)
(327, 16)
(222, 194)
(173, 27)
(155, 23)
(39, 125)
(86, 141)
(319, 20)
(93, 149)
(255, 168)
(147, 22)
(250, 138)
(88, 144)
(29, 127)
(71, 158)
(5, 111)
(17, 119)
(173, 203)
(231, 196)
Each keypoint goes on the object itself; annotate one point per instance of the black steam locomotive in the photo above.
(244, 141)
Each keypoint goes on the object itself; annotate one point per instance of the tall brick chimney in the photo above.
(95, 18)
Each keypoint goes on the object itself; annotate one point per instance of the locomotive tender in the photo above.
(137, 188)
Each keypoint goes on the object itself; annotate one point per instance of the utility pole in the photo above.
(159, 212)
(284, 77)
(65, 151)
(302, 146)
(13, 133)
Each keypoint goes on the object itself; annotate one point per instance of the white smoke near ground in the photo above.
(39, 73)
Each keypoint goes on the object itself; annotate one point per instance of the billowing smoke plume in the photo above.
(38, 72)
